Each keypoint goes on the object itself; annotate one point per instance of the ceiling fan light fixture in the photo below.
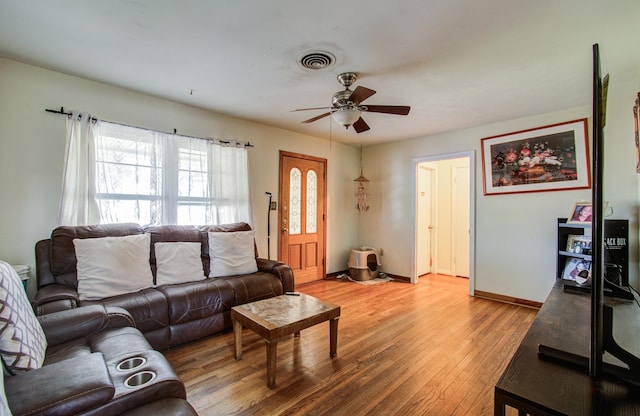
(346, 116)
(347, 108)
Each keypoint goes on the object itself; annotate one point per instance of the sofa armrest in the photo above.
(280, 269)
(64, 388)
(266, 265)
(53, 298)
(118, 317)
(63, 326)
(44, 276)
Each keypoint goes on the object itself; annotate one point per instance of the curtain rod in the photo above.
(93, 119)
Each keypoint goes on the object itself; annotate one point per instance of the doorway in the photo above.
(443, 223)
(301, 217)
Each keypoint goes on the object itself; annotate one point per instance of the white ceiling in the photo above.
(457, 63)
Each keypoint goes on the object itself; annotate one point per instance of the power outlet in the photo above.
(382, 252)
(273, 206)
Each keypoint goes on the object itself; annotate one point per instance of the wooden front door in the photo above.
(301, 216)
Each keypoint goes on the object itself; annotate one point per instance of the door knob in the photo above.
(285, 230)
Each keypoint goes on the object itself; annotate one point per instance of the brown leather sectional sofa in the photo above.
(89, 339)
(82, 371)
(82, 361)
(167, 315)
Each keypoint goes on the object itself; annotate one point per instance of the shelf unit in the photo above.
(616, 250)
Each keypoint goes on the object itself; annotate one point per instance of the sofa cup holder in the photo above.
(140, 379)
(131, 363)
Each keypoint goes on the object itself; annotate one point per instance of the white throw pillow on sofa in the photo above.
(110, 266)
(232, 253)
(178, 262)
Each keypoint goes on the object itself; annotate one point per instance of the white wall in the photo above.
(515, 234)
(32, 153)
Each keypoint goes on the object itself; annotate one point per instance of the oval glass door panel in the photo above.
(312, 201)
(295, 185)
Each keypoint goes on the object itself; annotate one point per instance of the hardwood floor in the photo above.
(425, 349)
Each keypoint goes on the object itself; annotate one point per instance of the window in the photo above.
(312, 197)
(151, 177)
(295, 189)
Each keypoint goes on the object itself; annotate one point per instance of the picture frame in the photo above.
(581, 213)
(573, 266)
(548, 158)
(579, 244)
(636, 124)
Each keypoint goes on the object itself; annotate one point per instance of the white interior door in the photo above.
(424, 257)
(461, 225)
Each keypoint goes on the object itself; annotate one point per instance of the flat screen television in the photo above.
(597, 293)
(601, 339)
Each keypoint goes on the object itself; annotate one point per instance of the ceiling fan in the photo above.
(347, 105)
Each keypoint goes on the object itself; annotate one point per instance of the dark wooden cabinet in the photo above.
(616, 249)
(538, 386)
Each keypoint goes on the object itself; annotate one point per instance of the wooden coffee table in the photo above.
(277, 317)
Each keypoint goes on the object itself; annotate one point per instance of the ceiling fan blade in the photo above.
(402, 110)
(360, 94)
(360, 125)
(312, 108)
(311, 120)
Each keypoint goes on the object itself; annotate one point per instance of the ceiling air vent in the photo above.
(317, 60)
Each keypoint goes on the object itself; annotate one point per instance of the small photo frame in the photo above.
(581, 213)
(573, 267)
(579, 244)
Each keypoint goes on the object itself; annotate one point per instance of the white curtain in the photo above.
(229, 184)
(152, 177)
(78, 203)
(117, 173)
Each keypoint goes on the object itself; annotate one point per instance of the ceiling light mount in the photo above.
(347, 78)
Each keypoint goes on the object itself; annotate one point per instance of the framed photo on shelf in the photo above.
(579, 244)
(549, 158)
(581, 213)
(573, 266)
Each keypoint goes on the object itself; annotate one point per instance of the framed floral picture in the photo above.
(636, 125)
(549, 158)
